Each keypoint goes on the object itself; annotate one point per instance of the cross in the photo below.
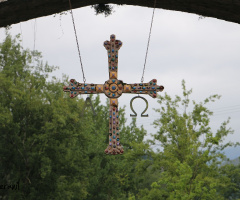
(113, 89)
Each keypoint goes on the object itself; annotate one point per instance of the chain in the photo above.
(142, 79)
(70, 5)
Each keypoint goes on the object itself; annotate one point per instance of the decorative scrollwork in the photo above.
(131, 106)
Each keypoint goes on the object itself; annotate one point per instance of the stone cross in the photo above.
(113, 88)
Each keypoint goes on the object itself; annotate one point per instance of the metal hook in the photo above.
(131, 106)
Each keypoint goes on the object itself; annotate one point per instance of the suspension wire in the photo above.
(70, 5)
(142, 79)
(35, 33)
(21, 33)
(34, 40)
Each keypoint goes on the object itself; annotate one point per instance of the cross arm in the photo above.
(75, 88)
(151, 88)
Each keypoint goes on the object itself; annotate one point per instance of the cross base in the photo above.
(114, 146)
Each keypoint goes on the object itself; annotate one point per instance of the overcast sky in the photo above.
(203, 52)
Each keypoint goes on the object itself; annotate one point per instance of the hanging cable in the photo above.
(34, 41)
(70, 5)
(35, 33)
(21, 33)
(142, 79)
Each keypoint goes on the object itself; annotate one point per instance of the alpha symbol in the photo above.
(88, 103)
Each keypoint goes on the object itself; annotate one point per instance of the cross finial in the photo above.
(113, 43)
(112, 48)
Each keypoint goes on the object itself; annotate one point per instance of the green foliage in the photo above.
(232, 172)
(105, 9)
(192, 152)
(116, 177)
(48, 146)
(55, 152)
(43, 138)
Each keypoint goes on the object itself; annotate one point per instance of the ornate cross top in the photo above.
(113, 88)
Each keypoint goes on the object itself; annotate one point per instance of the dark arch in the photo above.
(15, 11)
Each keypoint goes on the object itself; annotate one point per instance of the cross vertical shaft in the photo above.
(114, 88)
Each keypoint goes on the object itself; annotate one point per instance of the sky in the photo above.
(202, 51)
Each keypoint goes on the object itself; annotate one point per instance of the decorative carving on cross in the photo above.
(113, 88)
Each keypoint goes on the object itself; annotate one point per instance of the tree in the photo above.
(44, 140)
(192, 153)
(232, 172)
(117, 177)
(50, 148)
(55, 152)
(221, 9)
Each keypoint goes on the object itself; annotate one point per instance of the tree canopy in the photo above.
(15, 11)
(54, 152)
(192, 151)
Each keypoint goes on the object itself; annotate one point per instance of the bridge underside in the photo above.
(15, 11)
